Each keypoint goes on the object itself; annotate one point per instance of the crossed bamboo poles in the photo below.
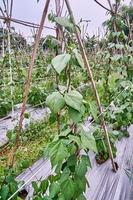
(86, 64)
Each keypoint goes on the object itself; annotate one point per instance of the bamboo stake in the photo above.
(111, 7)
(58, 37)
(29, 78)
(8, 23)
(10, 64)
(99, 3)
(21, 22)
(3, 55)
(86, 63)
(3, 43)
(27, 84)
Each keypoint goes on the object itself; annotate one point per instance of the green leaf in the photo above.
(80, 185)
(65, 22)
(68, 189)
(86, 160)
(65, 175)
(82, 166)
(74, 138)
(60, 62)
(79, 58)
(76, 115)
(55, 101)
(72, 160)
(13, 187)
(35, 186)
(61, 197)
(54, 189)
(9, 179)
(88, 141)
(74, 99)
(4, 192)
(58, 153)
(44, 185)
(65, 132)
(93, 109)
(72, 148)
(71, 163)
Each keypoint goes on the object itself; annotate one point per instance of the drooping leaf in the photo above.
(59, 153)
(68, 189)
(35, 186)
(54, 189)
(44, 185)
(80, 185)
(55, 101)
(60, 62)
(82, 166)
(65, 175)
(93, 110)
(65, 22)
(74, 99)
(88, 141)
(72, 160)
(76, 115)
(74, 138)
(79, 58)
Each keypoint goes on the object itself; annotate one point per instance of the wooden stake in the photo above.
(29, 78)
(86, 63)
(58, 37)
(3, 43)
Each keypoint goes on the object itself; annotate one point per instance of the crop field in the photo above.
(66, 105)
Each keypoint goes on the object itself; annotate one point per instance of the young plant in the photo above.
(70, 165)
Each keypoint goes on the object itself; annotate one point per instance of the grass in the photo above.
(34, 141)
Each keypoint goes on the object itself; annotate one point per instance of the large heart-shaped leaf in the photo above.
(55, 101)
(65, 22)
(60, 62)
(74, 99)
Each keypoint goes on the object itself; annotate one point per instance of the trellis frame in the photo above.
(86, 64)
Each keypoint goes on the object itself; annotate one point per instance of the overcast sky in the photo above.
(30, 10)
